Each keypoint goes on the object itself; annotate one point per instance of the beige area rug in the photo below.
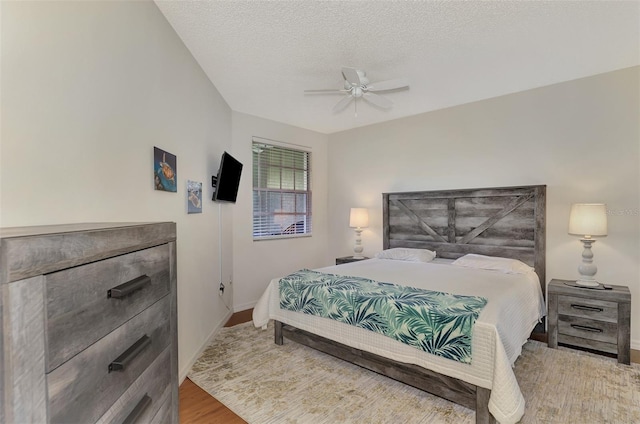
(265, 383)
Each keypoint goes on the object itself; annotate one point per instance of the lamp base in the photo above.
(357, 249)
(587, 283)
(587, 268)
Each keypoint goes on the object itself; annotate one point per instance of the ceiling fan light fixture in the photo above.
(356, 85)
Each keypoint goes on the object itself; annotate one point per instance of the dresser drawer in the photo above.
(79, 309)
(146, 396)
(586, 328)
(596, 309)
(84, 388)
(588, 343)
(163, 416)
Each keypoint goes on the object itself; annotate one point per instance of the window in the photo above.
(281, 191)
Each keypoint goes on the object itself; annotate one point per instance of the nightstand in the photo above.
(347, 259)
(590, 318)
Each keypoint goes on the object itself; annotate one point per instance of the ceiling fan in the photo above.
(357, 86)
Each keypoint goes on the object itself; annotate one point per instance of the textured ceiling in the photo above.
(262, 55)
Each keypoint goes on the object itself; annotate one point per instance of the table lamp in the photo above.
(588, 220)
(358, 219)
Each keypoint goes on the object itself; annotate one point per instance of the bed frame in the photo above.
(507, 222)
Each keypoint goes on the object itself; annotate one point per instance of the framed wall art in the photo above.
(165, 170)
(194, 197)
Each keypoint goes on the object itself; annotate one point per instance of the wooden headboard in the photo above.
(505, 221)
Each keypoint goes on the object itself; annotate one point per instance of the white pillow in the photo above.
(406, 254)
(494, 263)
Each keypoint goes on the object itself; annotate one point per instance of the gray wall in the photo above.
(88, 88)
(580, 138)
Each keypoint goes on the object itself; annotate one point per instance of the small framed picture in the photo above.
(165, 170)
(194, 197)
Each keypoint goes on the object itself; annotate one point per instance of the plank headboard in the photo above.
(505, 221)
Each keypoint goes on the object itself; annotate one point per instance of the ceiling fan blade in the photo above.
(326, 90)
(378, 100)
(343, 103)
(351, 75)
(388, 85)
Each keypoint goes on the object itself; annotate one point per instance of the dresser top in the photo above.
(40, 230)
(31, 251)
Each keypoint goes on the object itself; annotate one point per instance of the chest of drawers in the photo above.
(88, 313)
(589, 318)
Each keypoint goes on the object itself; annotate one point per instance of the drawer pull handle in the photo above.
(121, 362)
(585, 328)
(587, 308)
(138, 410)
(129, 287)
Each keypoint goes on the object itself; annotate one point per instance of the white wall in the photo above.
(257, 262)
(88, 88)
(580, 138)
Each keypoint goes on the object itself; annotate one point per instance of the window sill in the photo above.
(283, 236)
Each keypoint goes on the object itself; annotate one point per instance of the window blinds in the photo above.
(281, 191)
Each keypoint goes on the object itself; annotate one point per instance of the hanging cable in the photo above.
(220, 254)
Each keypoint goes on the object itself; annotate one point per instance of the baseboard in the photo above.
(244, 306)
(194, 358)
(635, 344)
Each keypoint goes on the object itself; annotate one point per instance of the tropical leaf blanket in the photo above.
(435, 322)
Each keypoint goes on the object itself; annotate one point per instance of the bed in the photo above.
(504, 222)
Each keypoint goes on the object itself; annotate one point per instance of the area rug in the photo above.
(265, 383)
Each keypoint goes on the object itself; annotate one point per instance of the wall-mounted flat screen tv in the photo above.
(228, 179)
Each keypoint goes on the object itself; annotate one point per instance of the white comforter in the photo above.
(515, 304)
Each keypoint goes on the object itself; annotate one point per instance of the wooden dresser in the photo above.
(89, 327)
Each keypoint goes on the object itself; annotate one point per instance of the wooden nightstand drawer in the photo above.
(596, 309)
(586, 328)
(588, 343)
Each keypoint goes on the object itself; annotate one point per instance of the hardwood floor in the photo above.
(198, 407)
(239, 318)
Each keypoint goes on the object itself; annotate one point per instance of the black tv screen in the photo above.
(228, 179)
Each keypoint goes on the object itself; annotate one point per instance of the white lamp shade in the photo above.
(359, 218)
(588, 219)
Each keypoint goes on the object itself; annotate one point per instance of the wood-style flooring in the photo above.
(198, 407)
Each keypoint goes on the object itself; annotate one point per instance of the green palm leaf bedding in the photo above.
(435, 322)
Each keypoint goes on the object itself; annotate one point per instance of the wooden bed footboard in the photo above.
(449, 388)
